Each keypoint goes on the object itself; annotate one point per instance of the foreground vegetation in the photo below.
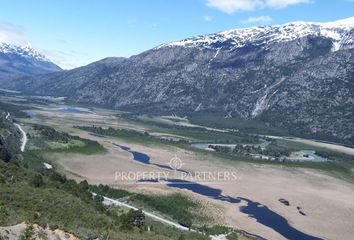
(49, 199)
(175, 206)
(36, 195)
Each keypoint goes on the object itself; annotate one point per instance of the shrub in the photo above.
(133, 218)
(27, 233)
(37, 181)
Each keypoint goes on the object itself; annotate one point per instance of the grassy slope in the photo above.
(66, 205)
(176, 206)
(57, 202)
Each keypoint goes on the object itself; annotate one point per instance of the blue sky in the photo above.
(73, 33)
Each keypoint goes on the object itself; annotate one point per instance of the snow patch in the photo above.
(25, 51)
(258, 36)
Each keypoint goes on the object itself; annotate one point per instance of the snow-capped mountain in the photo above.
(298, 77)
(16, 60)
(26, 51)
(340, 32)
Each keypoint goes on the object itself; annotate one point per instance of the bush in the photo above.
(134, 218)
(27, 233)
(232, 236)
(37, 181)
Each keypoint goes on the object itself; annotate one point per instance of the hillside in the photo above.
(298, 77)
(56, 207)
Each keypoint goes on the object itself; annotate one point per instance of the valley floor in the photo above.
(321, 206)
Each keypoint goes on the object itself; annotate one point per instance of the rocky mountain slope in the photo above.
(23, 60)
(298, 76)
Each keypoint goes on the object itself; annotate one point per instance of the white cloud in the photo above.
(208, 18)
(260, 19)
(284, 3)
(231, 6)
(12, 34)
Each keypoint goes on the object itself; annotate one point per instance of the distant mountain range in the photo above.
(16, 60)
(298, 76)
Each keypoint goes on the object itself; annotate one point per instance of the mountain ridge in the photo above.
(20, 60)
(300, 84)
(241, 36)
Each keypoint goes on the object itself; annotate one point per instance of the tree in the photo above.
(57, 177)
(84, 186)
(137, 218)
(134, 218)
